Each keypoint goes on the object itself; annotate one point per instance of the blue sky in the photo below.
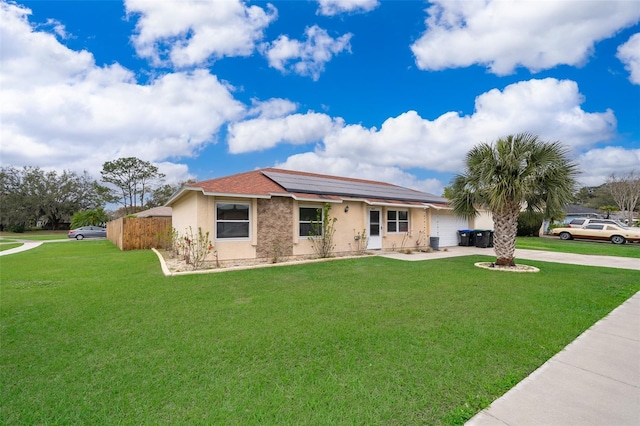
(396, 91)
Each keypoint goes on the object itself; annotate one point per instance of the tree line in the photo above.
(30, 195)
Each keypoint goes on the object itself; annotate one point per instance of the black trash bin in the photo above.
(464, 236)
(434, 243)
(483, 238)
(490, 238)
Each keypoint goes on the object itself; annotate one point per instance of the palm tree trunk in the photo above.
(505, 224)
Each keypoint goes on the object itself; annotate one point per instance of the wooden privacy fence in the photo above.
(137, 233)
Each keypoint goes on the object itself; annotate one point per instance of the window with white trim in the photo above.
(310, 221)
(397, 221)
(232, 220)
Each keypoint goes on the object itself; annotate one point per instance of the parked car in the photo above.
(87, 232)
(582, 221)
(617, 234)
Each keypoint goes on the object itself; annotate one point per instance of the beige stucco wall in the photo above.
(275, 223)
(483, 221)
(417, 236)
(198, 211)
(347, 225)
(185, 212)
(355, 221)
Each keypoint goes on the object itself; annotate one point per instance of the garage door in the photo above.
(446, 227)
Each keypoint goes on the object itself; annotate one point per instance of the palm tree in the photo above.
(516, 172)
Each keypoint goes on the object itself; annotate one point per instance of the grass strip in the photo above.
(579, 246)
(9, 246)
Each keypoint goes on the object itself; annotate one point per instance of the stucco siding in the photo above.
(274, 226)
(185, 213)
(417, 235)
(483, 221)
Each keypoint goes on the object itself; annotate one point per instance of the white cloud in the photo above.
(335, 7)
(262, 133)
(503, 35)
(549, 108)
(272, 108)
(629, 54)
(306, 58)
(351, 167)
(598, 164)
(34, 58)
(58, 28)
(60, 110)
(191, 32)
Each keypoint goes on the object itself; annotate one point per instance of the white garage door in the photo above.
(446, 227)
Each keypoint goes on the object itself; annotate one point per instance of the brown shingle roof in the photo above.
(256, 183)
(248, 183)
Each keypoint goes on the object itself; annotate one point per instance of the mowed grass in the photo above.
(34, 235)
(93, 335)
(600, 248)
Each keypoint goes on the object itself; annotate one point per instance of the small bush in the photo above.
(193, 249)
(529, 224)
(18, 229)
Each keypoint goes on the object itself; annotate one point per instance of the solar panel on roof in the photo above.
(327, 185)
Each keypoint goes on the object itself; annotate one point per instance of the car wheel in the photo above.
(618, 239)
(79, 237)
(565, 236)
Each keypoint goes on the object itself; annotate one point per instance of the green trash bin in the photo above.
(464, 237)
(482, 238)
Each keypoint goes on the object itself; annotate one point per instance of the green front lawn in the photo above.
(34, 235)
(578, 246)
(93, 335)
(9, 246)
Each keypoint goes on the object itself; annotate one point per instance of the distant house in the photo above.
(572, 211)
(250, 215)
(161, 211)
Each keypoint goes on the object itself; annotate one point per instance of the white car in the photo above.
(617, 234)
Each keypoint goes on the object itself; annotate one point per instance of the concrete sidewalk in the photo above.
(24, 247)
(544, 256)
(594, 381)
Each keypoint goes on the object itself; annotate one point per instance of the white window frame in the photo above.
(397, 221)
(244, 203)
(300, 221)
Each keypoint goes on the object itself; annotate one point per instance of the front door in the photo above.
(375, 227)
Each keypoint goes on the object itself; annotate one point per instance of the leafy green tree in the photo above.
(30, 194)
(447, 192)
(594, 196)
(132, 179)
(95, 217)
(16, 209)
(514, 172)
